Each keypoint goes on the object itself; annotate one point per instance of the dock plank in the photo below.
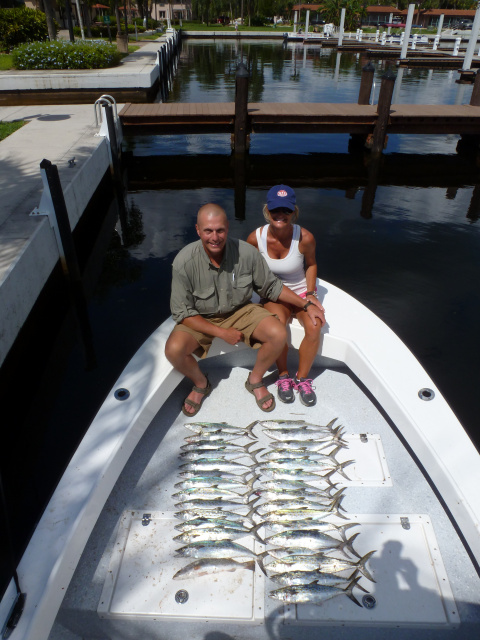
(302, 117)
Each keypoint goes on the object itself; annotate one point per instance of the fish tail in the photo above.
(250, 444)
(363, 569)
(341, 471)
(349, 591)
(250, 482)
(250, 432)
(337, 505)
(331, 423)
(343, 528)
(261, 563)
(349, 545)
(254, 532)
(332, 454)
(353, 576)
(250, 514)
(252, 454)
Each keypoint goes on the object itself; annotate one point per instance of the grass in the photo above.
(6, 62)
(7, 128)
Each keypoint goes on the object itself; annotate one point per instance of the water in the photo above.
(414, 259)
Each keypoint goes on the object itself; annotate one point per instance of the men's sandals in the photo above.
(206, 391)
(251, 386)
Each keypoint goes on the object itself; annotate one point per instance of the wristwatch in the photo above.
(307, 305)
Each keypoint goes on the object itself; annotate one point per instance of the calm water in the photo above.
(413, 257)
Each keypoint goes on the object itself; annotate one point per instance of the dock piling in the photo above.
(383, 111)
(366, 83)
(241, 109)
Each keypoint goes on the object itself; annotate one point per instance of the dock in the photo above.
(271, 117)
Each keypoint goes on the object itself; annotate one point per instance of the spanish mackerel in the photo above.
(313, 593)
(313, 539)
(212, 566)
(214, 549)
(215, 427)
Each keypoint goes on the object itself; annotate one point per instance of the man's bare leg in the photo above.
(178, 350)
(273, 336)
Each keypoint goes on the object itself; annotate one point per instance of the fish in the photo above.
(203, 493)
(288, 552)
(216, 444)
(212, 436)
(212, 566)
(214, 549)
(308, 523)
(313, 593)
(210, 523)
(215, 427)
(292, 474)
(318, 560)
(289, 578)
(314, 466)
(216, 533)
(213, 473)
(283, 495)
(332, 565)
(214, 454)
(206, 503)
(311, 444)
(214, 512)
(303, 435)
(286, 454)
(292, 484)
(297, 503)
(238, 482)
(281, 424)
(203, 464)
(313, 539)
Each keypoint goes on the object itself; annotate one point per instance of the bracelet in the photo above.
(307, 305)
(311, 293)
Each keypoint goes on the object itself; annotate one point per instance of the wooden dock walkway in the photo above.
(277, 117)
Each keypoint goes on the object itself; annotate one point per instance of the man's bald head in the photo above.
(212, 228)
(211, 211)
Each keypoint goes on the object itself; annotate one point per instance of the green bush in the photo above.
(97, 31)
(21, 25)
(83, 54)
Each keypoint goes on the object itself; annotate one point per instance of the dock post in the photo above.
(383, 111)
(69, 260)
(366, 83)
(475, 97)
(241, 109)
(116, 169)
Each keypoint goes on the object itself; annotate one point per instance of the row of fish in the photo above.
(218, 504)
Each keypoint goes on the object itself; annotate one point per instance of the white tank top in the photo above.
(291, 269)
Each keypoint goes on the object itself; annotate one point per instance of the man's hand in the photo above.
(232, 336)
(316, 312)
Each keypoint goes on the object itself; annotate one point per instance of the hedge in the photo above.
(82, 54)
(21, 25)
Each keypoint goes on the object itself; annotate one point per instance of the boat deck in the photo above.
(426, 584)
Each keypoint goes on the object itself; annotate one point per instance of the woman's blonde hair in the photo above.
(266, 214)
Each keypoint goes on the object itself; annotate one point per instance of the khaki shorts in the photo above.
(246, 319)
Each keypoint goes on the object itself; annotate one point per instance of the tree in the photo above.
(50, 16)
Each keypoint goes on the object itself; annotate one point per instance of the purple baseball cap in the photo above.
(281, 196)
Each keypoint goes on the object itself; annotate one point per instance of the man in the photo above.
(212, 284)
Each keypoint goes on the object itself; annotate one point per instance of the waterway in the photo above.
(413, 257)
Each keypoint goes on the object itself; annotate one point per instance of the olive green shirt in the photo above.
(200, 288)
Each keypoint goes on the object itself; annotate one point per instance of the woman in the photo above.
(289, 251)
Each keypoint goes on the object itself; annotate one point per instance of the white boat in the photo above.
(101, 561)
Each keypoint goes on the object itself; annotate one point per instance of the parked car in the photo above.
(463, 24)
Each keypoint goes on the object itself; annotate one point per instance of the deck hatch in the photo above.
(140, 585)
(412, 588)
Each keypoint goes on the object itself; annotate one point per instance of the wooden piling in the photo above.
(475, 98)
(241, 109)
(383, 111)
(366, 84)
